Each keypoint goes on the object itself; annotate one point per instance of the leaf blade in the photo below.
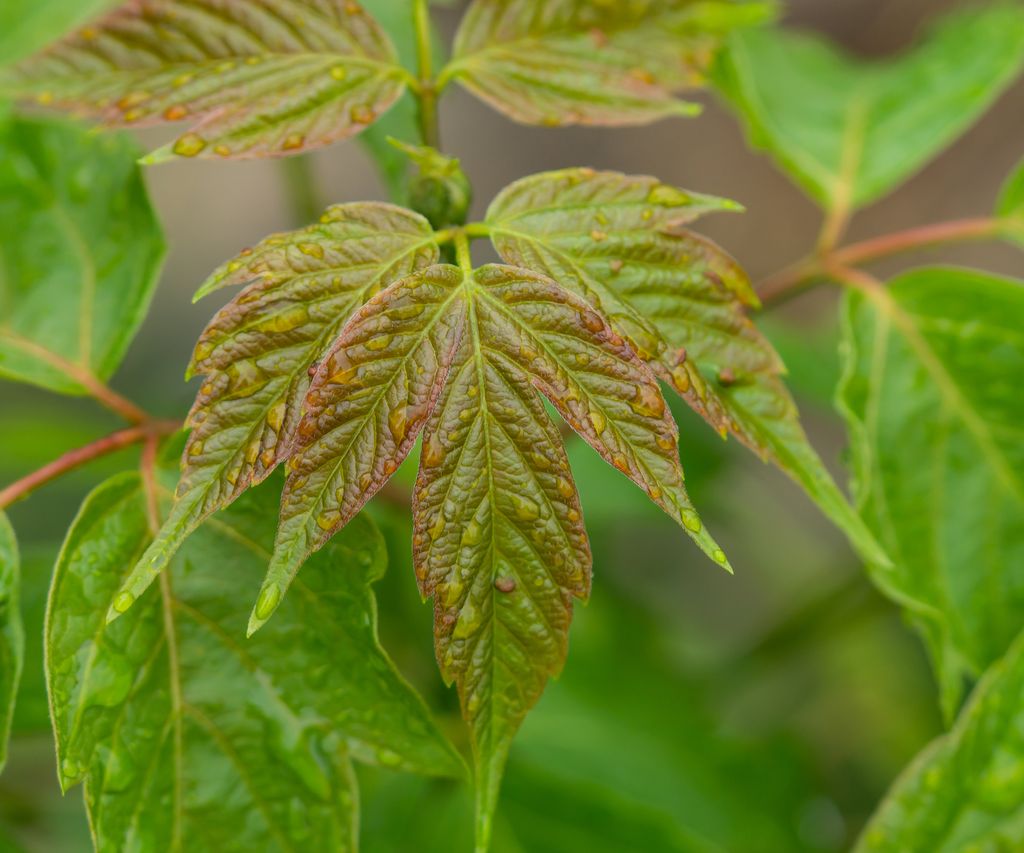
(256, 78)
(12, 636)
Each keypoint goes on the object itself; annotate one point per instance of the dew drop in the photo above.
(293, 142)
(648, 402)
(338, 72)
(598, 421)
(433, 451)
(189, 145)
(362, 114)
(525, 509)
(378, 342)
(267, 602)
(471, 534)
(505, 585)
(344, 376)
(195, 448)
(437, 528)
(287, 320)
(364, 481)
(527, 352)
(468, 622)
(70, 769)
(719, 555)
(398, 421)
(564, 487)
(390, 466)
(666, 196)
(222, 151)
(681, 378)
(275, 417)
(573, 516)
(175, 113)
(312, 250)
(691, 521)
(328, 519)
(621, 463)
(123, 601)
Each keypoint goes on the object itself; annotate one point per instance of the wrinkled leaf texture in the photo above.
(187, 736)
(254, 78)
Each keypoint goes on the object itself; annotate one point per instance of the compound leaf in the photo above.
(12, 638)
(619, 242)
(579, 62)
(183, 731)
(1011, 205)
(931, 398)
(368, 401)
(81, 253)
(255, 77)
(258, 351)
(850, 131)
(965, 790)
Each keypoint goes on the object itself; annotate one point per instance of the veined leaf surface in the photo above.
(849, 132)
(12, 638)
(255, 77)
(931, 396)
(258, 351)
(499, 539)
(81, 252)
(965, 791)
(619, 241)
(580, 62)
(187, 736)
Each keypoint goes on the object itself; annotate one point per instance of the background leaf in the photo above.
(1011, 204)
(81, 252)
(28, 25)
(965, 791)
(267, 78)
(181, 729)
(931, 398)
(12, 637)
(850, 131)
(579, 62)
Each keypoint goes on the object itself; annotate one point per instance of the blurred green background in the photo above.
(763, 712)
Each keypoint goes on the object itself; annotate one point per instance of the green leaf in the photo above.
(266, 78)
(931, 396)
(965, 790)
(12, 637)
(850, 131)
(579, 62)
(81, 253)
(258, 351)
(183, 731)
(28, 25)
(1011, 204)
(619, 242)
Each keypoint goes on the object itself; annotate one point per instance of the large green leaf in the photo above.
(619, 242)
(188, 736)
(580, 62)
(965, 791)
(931, 396)
(80, 252)
(258, 350)
(849, 131)
(1011, 205)
(28, 25)
(256, 77)
(12, 638)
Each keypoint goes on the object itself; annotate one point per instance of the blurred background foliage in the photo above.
(766, 711)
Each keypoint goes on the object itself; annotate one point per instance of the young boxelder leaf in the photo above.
(580, 62)
(189, 737)
(619, 242)
(258, 351)
(931, 396)
(367, 404)
(254, 77)
(12, 639)
(499, 539)
(1011, 205)
(82, 252)
(848, 132)
(965, 791)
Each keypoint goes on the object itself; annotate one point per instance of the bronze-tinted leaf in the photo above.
(254, 77)
(258, 350)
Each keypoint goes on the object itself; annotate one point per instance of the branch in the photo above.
(426, 90)
(795, 279)
(73, 459)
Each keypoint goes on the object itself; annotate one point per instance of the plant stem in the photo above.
(147, 432)
(797, 278)
(426, 92)
(301, 188)
(462, 253)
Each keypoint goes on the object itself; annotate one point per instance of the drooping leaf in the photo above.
(965, 791)
(499, 541)
(183, 732)
(580, 62)
(81, 253)
(619, 242)
(849, 131)
(931, 396)
(367, 403)
(12, 638)
(258, 351)
(1011, 204)
(255, 77)
(28, 25)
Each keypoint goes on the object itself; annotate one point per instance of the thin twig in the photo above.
(73, 459)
